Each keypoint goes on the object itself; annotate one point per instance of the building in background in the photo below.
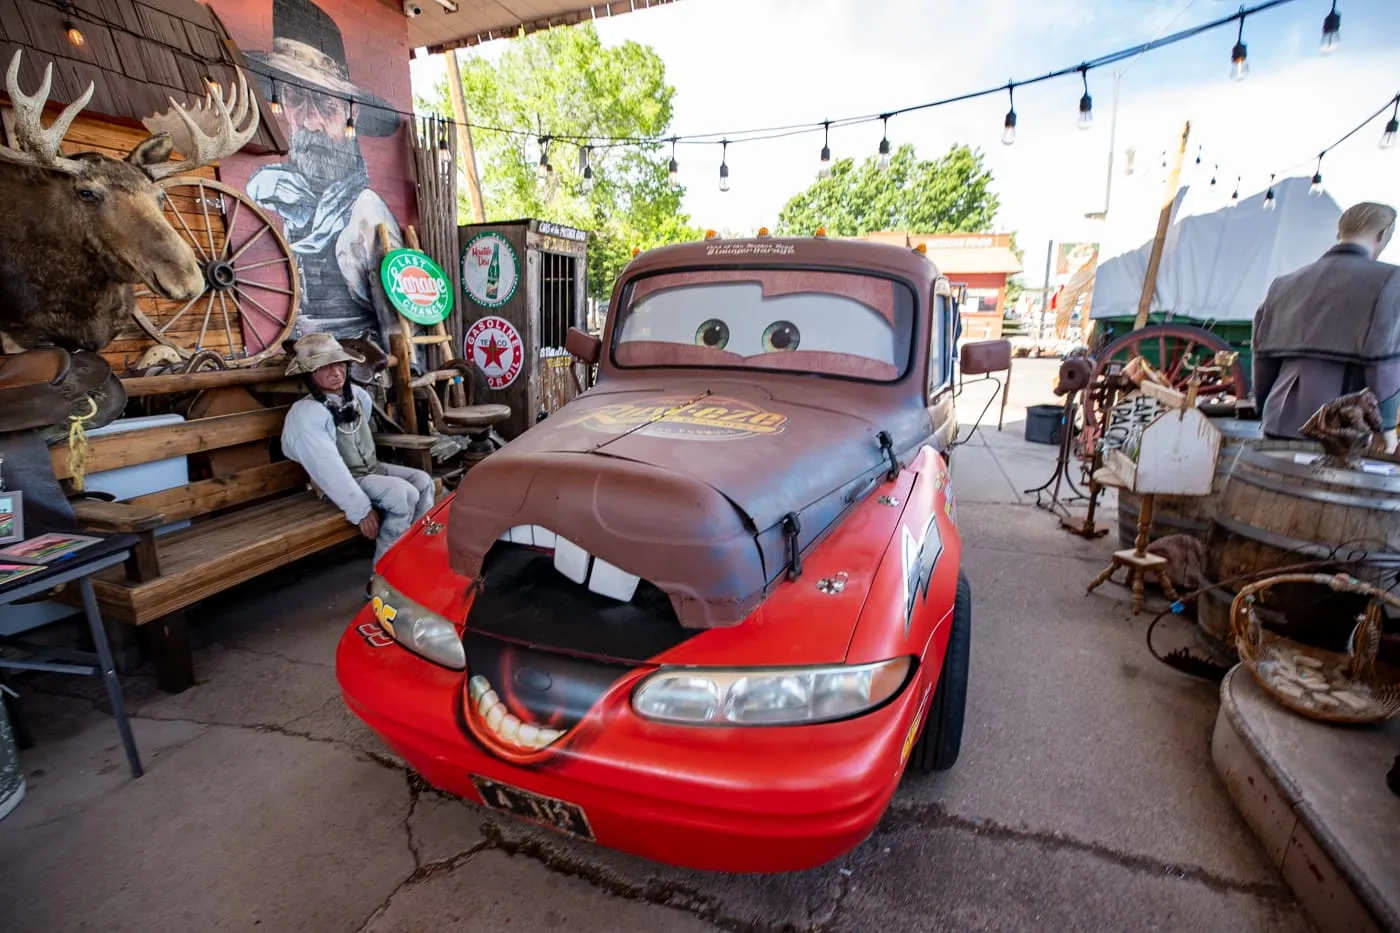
(981, 261)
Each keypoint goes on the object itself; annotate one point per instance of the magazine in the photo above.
(46, 549)
(12, 572)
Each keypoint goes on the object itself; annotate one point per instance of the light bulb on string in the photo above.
(1086, 103)
(1235, 197)
(884, 161)
(1316, 188)
(1239, 59)
(1270, 202)
(544, 168)
(724, 167)
(1008, 134)
(1331, 30)
(75, 35)
(587, 171)
(1392, 127)
(444, 153)
(1213, 174)
(350, 122)
(825, 170)
(276, 103)
(1199, 149)
(674, 172)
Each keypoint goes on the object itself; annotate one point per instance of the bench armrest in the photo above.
(115, 517)
(405, 441)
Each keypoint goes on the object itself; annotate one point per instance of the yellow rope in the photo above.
(78, 443)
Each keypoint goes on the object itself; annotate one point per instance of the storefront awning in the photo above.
(438, 28)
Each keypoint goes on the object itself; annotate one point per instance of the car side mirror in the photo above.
(583, 345)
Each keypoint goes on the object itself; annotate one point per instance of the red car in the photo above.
(709, 611)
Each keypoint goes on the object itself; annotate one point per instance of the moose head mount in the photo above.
(78, 231)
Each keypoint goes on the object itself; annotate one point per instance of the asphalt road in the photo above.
(1084, 799)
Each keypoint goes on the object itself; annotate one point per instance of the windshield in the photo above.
(827, 323)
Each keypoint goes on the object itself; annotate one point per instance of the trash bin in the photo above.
(1043, 423)
(11, 777)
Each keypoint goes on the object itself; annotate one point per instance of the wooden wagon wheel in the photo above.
(252, 290)
(1174, 350)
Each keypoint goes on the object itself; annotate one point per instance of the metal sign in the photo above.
(490, 270)
(416, 286)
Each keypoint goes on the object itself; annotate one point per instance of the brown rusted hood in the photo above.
(685, 481)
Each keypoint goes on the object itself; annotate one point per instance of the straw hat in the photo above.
(313, 351)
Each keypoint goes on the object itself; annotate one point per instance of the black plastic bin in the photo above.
(1043, 423)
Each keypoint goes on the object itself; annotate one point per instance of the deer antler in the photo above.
(211, 132)
(38, 146)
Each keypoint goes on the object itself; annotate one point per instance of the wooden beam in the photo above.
(464, 138)
(1164, 220)
(171, 440)
(210, 495)
(142, 386)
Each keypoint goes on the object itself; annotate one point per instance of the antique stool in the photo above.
(476, 421)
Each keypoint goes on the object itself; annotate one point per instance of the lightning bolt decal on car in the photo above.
(920, 557)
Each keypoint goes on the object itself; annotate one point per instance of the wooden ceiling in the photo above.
(477, 21)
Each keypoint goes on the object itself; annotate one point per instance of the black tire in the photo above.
(938, 745)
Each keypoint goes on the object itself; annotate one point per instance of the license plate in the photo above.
(557, 814)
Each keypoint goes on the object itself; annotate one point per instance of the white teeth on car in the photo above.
(503, 724)
(571, 560)
(577, 564)
(612, 581)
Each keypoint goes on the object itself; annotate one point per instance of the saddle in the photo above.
(48, 388)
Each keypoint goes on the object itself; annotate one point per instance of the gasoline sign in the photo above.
(417, 287)
(495, 346)
(490, 270)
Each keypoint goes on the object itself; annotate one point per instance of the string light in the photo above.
(1235, 198)
(276, 104)
(1331, 30)
(884, 163)
(543, 170)
(444, 154)
(350, 122)
(75, 35)
(1392, 128)
(1239, 60)
(674, 172)
(1213, 173)
(587, 170)
(1270, 203)
(724, 167)
(1008, 134)
(1086, 103)
(825, 169)
(1199, 150)
(1316, 188)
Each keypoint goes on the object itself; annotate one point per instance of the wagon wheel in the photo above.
(1173, 349)
(251, 287)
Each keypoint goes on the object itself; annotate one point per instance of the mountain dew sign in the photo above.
(417, 287)
(490, 270)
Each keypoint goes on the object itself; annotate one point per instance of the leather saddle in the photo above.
(43, 388)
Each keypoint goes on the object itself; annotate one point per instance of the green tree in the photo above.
(952, 194)
(564, 82)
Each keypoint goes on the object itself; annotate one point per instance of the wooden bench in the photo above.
(243, 524)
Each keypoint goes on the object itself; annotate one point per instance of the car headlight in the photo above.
(768, 696)
(420, 631)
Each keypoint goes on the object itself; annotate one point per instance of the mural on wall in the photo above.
(322, 192)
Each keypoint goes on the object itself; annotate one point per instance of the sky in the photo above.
(743, 64)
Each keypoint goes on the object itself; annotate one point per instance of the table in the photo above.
(112, 550)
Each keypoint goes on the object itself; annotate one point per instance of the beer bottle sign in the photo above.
(490, 270)
(416, 286)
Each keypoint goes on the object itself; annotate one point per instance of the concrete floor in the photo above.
(1085, 798)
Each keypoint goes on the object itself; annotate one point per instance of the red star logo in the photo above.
(492, 352)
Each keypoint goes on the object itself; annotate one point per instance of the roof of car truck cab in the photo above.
(781, 252)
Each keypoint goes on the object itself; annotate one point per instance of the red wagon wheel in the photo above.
(1175, 350)
(251, 287)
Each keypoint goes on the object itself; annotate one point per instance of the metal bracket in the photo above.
(792, 527)
(887, 447)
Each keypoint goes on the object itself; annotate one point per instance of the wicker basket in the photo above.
(1329, 686)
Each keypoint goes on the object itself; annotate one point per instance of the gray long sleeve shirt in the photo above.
(308, 437)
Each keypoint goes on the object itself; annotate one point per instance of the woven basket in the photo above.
(1329, 686)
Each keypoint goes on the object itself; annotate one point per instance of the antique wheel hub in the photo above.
(220, 275)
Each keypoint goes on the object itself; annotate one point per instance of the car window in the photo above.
(830, 323)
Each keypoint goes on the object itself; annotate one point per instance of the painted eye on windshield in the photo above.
(713, 333)
(780, 336)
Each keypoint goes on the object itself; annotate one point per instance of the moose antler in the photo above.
(211, 132)
(38, 146)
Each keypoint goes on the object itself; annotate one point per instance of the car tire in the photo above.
(937, 747)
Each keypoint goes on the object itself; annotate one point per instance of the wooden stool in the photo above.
(476, 421)
(1138, 561)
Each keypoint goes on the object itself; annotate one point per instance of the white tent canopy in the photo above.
(1217, 261)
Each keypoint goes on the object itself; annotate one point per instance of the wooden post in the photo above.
(464, 137)
(401, 345)
(1164, 219)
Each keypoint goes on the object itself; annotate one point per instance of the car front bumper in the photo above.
(767, 799)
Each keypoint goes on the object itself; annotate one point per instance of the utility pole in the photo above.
(1045, 292)
(464, 137)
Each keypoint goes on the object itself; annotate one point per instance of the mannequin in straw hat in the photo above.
(328, 433)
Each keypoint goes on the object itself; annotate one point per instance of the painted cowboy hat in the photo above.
(313, 351)
(308, 53)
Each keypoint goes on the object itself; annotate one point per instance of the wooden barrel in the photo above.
(1277, 508)
(1188, 514)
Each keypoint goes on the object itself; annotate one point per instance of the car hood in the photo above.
(687, 483)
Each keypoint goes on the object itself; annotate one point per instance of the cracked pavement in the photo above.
(1084, 798)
